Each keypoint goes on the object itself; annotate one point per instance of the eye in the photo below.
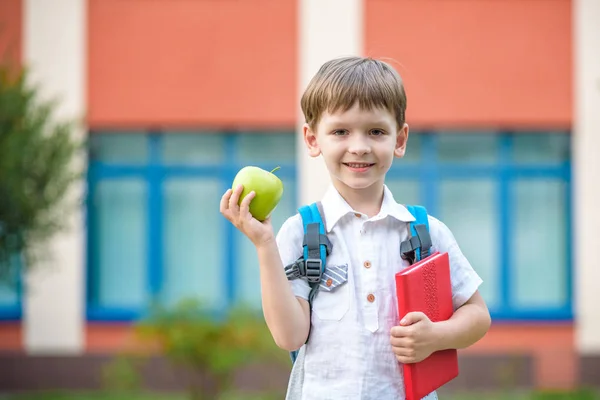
(340, 132)
(377, 132)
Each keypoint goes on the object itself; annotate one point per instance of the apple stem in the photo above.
(276, 168)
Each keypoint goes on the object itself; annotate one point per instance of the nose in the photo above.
(359, 145)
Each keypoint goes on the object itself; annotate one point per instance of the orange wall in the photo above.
(486, 63)
(190, 63)
(11, 336)
(11, 30)
(551, 345)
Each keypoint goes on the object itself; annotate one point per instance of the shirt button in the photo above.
(371, 298)
(367, 264)
(357, 215)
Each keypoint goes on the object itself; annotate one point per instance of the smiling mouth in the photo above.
(359, 166)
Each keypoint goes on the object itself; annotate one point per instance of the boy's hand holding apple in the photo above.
(249, 204)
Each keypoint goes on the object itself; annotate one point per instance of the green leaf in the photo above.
(37, 169)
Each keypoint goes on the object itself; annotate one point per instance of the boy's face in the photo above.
(358, 146)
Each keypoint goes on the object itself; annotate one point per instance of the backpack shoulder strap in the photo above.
(316, 247)
(417, 246)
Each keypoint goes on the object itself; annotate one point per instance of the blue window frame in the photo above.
(506, 197)
(10, 296)
(154, 230)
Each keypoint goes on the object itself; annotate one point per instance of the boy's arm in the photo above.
(287, 316)
(468, 324)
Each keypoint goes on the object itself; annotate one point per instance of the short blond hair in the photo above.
(341, 82)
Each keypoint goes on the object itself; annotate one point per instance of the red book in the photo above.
(425, 286)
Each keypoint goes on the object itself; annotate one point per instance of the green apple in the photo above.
(267, 186)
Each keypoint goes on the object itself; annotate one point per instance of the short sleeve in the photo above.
(465, 281)
(289, 242)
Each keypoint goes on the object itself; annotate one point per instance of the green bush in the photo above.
(122, 374)
(217, 345)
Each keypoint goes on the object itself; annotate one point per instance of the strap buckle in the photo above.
(420, 242)
(313, 270)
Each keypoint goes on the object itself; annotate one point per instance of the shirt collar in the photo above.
(335, 207)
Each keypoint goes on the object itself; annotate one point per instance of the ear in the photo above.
(310, 138)
(401, 140)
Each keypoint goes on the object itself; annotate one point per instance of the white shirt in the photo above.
(349, 355)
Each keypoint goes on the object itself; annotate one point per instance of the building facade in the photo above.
(177, 96)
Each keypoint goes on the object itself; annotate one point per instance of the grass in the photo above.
(91, 396)
(124, 396)
(549, 395)
(577, 394)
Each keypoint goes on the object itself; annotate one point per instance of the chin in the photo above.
(358, 184)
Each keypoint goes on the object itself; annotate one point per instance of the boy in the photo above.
(355, 119)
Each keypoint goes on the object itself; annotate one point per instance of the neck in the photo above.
(367, 201)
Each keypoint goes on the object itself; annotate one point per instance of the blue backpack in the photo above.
(317, 247)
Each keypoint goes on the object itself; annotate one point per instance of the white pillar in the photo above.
(327, 29)
(586, 171)
(54, 41)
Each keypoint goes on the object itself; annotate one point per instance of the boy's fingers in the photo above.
(412, 317)
(245, 206)
(401, 342)
(399, 331)
(225, 201)
(403, 352)
(405, 359)
(235, 197)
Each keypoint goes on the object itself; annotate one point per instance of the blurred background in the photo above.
(173, 97)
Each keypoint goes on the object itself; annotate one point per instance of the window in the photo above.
(506, 198)
(154, 230)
